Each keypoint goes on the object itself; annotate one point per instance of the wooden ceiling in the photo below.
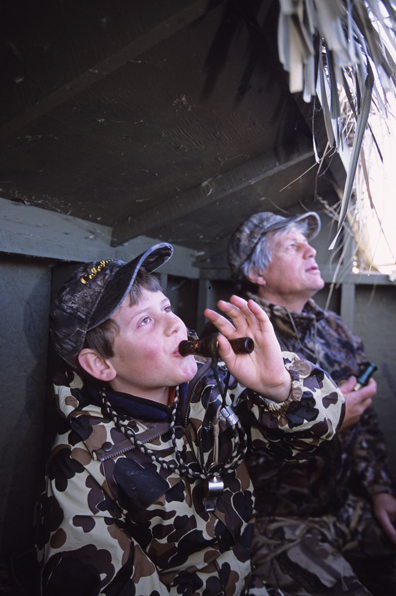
(165, 118)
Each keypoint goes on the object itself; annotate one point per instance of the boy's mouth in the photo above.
(176, 351)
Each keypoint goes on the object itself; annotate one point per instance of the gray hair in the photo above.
(261, 256)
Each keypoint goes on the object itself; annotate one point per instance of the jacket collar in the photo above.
(291, 321)
(73, 395)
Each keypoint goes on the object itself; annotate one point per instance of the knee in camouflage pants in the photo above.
(346, 553)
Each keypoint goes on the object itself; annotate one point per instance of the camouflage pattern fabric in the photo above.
(338, 554)
(294, 499)
(113, 521)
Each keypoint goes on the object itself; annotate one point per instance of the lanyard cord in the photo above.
(213, 366)
(240, 437)
(185, 470)
(313, 353)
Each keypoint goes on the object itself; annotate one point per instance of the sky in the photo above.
(383, 190)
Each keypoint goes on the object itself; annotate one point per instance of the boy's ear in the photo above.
(255, 278)
(95, 365)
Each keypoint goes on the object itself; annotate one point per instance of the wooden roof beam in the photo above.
(163, 25)
(212, 190)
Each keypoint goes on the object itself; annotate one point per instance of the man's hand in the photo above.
(384, 506)
(262, 370)
(356, 402)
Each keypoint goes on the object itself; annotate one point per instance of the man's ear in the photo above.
(95, 365)
(255, 278)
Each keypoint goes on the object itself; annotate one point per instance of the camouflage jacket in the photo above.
(115, 521)
(354, 460)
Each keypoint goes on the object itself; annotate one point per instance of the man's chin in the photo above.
(318, 286)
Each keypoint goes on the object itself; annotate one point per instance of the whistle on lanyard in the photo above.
(214, 488)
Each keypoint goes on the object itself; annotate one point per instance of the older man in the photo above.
(325, 526)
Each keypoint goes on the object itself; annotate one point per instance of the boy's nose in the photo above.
(172, 324)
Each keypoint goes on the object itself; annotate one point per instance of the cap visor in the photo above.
(118, 288)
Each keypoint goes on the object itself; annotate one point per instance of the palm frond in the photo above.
(357, 144)
(350, 40)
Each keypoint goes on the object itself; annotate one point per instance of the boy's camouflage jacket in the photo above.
(116, 522)
(356, 459)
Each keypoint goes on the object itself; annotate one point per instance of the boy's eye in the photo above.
(144, 321)
(168, 308)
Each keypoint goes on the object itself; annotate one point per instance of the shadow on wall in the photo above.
(24, 301)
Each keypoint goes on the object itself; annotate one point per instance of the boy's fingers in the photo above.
(224, 345)
(238, 319)
(244, 306)
(238, 310)
(223, 324)
(246, 317)
(252, 310)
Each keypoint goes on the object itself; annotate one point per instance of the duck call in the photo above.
(209, 346)
(366, 375)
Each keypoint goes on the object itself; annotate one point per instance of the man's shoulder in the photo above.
(333, 319)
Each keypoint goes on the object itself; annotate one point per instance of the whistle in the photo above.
(209, 346)
(214, 488)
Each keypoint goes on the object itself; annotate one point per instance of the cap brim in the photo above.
(118, 288)
(313, 224)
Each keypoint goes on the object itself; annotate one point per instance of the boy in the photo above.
(146, 493)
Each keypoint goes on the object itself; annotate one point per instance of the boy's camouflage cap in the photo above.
(245, 239)
(92, 294)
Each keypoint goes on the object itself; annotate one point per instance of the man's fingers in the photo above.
(388, 527)
(348, 386)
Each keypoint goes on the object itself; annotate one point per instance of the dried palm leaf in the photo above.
(356, 41)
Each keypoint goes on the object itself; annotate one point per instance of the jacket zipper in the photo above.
(123, 450)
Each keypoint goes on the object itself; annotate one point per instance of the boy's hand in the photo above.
(262, 370)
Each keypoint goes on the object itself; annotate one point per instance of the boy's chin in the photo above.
(191, 368)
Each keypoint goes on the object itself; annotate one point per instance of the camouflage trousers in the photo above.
(346, 553)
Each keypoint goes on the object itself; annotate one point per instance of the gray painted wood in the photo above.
(24, 302)
(28, 230)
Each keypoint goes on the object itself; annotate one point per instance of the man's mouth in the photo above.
(314, 268)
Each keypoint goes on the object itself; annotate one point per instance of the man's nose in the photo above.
(309, 251)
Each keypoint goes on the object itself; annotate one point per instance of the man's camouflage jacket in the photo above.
(355, 460)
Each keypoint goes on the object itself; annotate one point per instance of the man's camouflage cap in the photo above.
(245, 239)
(92, 294)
